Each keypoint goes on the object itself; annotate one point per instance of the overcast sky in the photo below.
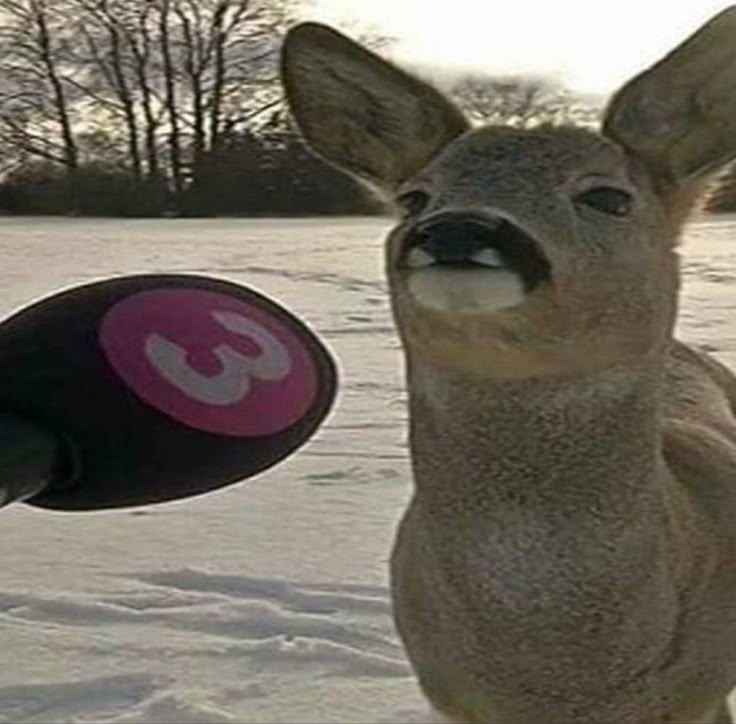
(588, 44)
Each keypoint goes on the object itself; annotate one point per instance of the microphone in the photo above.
(149, 388)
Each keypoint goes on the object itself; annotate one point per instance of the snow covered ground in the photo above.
(267, 601)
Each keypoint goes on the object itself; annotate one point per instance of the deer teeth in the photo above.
(488, 257)
(419, 258)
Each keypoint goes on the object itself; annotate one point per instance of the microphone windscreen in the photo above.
(163, 386)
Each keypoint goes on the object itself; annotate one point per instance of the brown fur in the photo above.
(569, 553)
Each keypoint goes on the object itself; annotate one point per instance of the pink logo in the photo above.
(210, 361)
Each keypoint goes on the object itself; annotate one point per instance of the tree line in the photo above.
(151, 107)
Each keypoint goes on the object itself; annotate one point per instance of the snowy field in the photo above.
(267, 601)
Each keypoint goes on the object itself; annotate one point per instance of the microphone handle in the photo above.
(30, 457)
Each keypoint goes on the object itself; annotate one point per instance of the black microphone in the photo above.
(149, 388)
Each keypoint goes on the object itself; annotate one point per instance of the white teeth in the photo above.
(419, 259)
(488, 257)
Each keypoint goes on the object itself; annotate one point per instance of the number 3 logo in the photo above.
(234, 382)
(264, 380)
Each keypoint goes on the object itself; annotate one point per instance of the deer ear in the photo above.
(360, 112)
(679, 117)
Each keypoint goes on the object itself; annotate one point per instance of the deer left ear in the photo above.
(679, 117)
(361, 113)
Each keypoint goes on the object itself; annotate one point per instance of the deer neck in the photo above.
(545, 506)
(572, 445)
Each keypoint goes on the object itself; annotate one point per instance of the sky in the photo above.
(590, 46)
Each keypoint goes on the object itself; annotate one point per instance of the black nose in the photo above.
(453, 238)
(457, 238)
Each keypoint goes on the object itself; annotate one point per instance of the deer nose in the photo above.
(454, 237)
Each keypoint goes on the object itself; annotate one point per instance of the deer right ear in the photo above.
(360, 112)
(679, 116)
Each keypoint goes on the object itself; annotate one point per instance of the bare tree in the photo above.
(227, 50)
(108, 82)
(521, 101)
(36, 113)
(171, 97)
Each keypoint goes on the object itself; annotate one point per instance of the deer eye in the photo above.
(607, 200)
(413, 202)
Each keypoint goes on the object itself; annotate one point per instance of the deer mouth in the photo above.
(460, 260)
(468, 242)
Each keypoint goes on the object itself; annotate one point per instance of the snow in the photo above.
(266, 601)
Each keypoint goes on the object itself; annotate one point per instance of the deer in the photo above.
(568, 552)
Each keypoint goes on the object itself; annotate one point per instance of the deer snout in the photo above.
(475, 240)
